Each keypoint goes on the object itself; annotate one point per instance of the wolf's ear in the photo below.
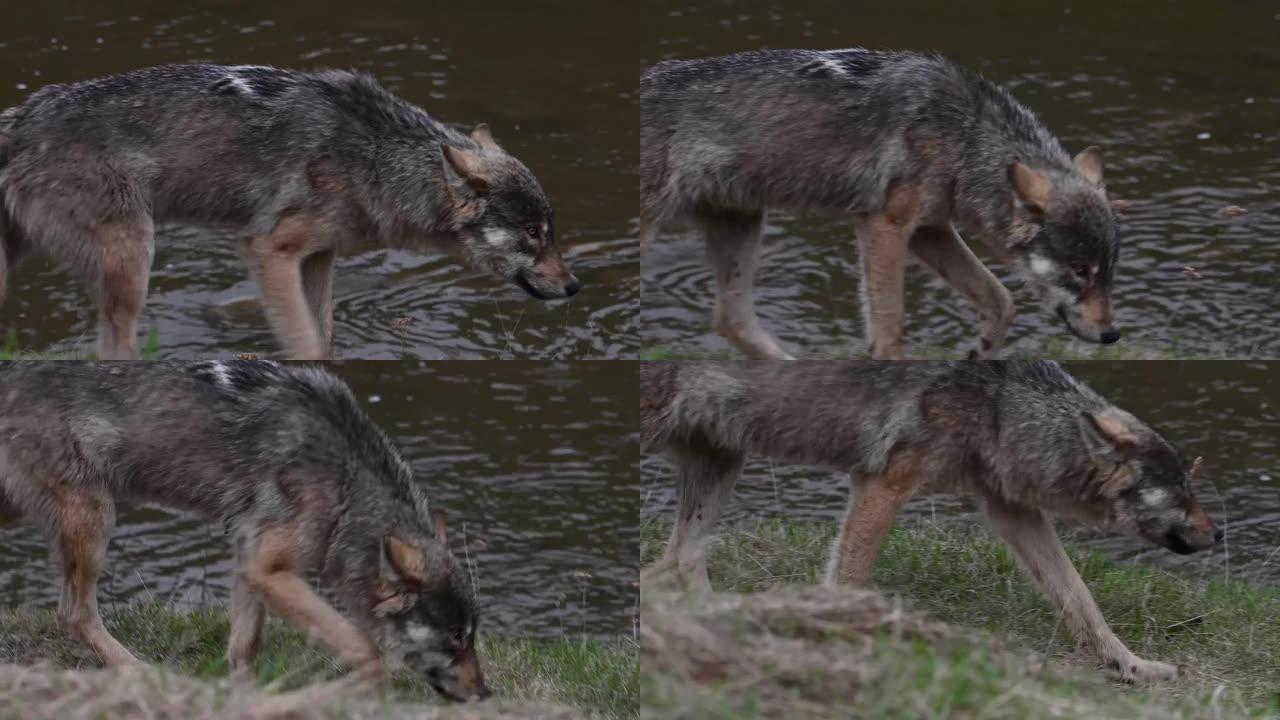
(1089, 163)
(1031, 187)
(467, 167)
(440, 523)
(1108, 432)
(405, 559)
(482, 135)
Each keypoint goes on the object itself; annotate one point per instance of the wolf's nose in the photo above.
(1110, 336)
(572, 288)
(1218, 535)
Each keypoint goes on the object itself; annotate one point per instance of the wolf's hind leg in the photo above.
(85, 521)
(1030, 533)
(127, 251)
(733, 247)
(942, 250)
(874, 503)
(705, 477)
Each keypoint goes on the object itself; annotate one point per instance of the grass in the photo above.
(1052, 349)
(594, 677)
(11, 351)
(1001, 651)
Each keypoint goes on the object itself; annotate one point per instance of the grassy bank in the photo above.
(588, 677)
(977, 640)
(1053, 349)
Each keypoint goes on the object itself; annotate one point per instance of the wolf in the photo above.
(281, 456)
(303, 166)
(916, 148)
(1026, 438)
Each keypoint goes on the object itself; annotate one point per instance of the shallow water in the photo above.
(554, 82)
(538, 460)
(1227, 412)
(1181, 96)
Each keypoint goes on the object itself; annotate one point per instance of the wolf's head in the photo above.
(1145, 482)
(1069, 246)
(506, 219)
(429, 616)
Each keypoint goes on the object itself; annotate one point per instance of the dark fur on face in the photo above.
(507, 225)
(430, 617)
(1070, 258)
(1146, 483)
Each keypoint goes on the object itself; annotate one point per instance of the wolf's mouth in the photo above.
(528, 287)
(1175, 543)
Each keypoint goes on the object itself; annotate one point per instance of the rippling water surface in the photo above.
(1182, 97)
(536, 460)
(1227, 412)
(555, 80)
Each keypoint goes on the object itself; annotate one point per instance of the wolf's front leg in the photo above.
(317, 283)
(1030, 533)
(274, 572)
(942, 250)
(733, 247)
(277, 266)
(883, 242)
(247, 613)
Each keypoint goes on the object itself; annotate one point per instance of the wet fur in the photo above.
(283, 458)
(1026, 438)
(302, 166)
(913, 146)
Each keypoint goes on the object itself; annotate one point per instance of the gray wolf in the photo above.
(913, 146)
(282, 457)
(302, 166)
(1026, 438)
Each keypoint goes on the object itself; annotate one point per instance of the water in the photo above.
(538, 460)
(554, 83)
(1189, 125)
(1227, 412)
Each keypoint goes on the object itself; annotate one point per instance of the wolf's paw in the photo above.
(1138, 671)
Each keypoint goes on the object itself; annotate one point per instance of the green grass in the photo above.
(595, 676)
(1011, 656)
(1053, 349)
(10, 350)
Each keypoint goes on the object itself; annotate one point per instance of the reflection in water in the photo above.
(1188, 127)
(534, 462)
(1228, 412)
(567, 110)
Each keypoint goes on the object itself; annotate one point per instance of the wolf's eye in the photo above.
(1081, 270)
(533, 231)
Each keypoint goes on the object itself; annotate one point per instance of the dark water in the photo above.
(1181, 95)
(538, 460)
(555, 80)
(1227, 412)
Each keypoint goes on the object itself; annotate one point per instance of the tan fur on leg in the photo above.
(274, 572)
(247, 613)
(1031, 535)
(884, 238)
(317, 284)
(276, 263)
(127, 251)
(85, 520)
(942, 250)
(872, 508)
